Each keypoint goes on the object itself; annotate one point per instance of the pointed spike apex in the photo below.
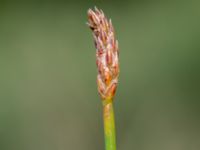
(89, 10)
(102, 12)
(95, 8)
(110, 21)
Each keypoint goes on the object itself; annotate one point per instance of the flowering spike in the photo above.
(106, 52)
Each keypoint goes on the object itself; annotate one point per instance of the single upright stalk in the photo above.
(108, 69)
(109, 125)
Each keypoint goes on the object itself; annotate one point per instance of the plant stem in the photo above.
(109, 125)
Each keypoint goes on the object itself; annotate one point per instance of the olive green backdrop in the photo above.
(48, 96)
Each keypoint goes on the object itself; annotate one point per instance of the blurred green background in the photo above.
(48, 96)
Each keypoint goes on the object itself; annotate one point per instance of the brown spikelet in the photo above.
(106, 53)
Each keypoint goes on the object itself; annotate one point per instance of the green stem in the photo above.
(109, 125)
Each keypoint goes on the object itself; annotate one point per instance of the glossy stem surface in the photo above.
(109, 125)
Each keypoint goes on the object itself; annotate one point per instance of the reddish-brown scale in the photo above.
(99, 52)
(100, 68)
(108, 57)
(111, 90)
(116, 69)
(107, 77)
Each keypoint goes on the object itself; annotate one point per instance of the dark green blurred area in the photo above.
(48, 96)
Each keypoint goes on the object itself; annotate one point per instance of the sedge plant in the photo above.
(107, 54)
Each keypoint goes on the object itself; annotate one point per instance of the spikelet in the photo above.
(106, 53)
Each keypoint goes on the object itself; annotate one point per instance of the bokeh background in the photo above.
(48, 96)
